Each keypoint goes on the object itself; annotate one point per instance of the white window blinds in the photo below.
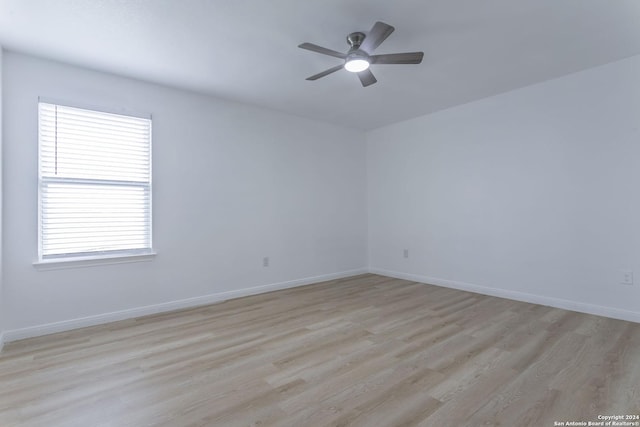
(95, 183)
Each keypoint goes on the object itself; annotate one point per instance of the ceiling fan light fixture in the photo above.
(360, 55)
(356, 62)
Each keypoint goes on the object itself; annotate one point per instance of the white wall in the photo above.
(1, 241)
(532, 194)
(231, 184)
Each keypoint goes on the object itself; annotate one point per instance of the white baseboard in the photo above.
(615, 313)
(66, 325)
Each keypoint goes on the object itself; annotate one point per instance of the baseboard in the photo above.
(66, 325)
(615, 313)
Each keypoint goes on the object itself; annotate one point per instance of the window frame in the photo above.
(89, 258)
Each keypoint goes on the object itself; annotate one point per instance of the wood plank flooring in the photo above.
(362, 351)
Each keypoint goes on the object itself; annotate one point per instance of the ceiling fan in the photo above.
(360, 55)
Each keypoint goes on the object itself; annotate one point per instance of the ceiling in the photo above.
(246, 50)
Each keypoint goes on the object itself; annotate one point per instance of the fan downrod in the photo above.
(355, 39)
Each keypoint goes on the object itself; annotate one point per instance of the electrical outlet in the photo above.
(626, 277)
(406, 253)
(265, 261)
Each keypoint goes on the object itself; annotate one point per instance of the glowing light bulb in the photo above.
(355, 65)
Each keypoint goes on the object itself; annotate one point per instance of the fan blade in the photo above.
(379, 32)
(397, 58)
(366, 78)
(319, 49)
(325, 72)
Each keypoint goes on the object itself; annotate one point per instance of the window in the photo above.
(94, 184)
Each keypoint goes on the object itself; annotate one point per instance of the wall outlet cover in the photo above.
(626, 277)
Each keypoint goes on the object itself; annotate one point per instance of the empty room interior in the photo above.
(338, 213)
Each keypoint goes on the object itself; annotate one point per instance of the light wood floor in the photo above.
(365, 351)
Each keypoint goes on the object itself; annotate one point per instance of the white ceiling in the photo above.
(246, 50)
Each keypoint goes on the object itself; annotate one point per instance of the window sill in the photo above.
(91, 261)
